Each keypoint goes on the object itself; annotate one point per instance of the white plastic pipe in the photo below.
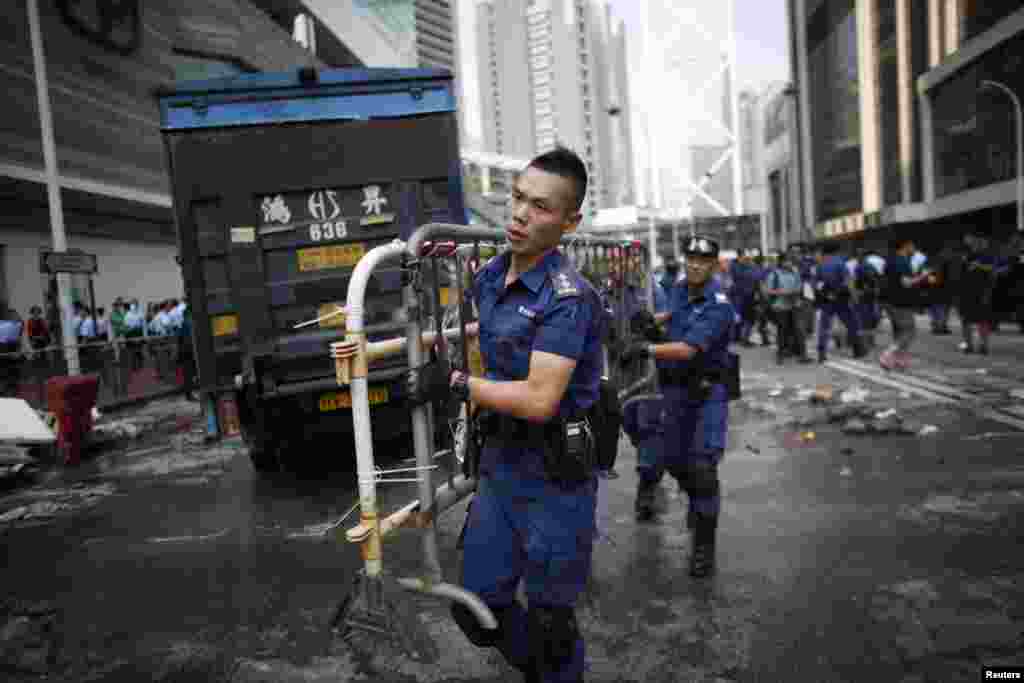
(361, 403)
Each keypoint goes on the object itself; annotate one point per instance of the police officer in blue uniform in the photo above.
(636, 312)
(533, 515)
(834, 297)
(642, 415)
(695, 370)
(746, 277)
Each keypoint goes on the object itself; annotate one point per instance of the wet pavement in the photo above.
(892, 553)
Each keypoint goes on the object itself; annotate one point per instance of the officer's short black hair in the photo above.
(899, 243)
(562, 161)
(830, 248)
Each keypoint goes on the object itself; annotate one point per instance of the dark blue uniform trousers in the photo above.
(533, 530)
(830, 311)
(695, 432)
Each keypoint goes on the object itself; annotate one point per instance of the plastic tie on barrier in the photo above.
(378, 475)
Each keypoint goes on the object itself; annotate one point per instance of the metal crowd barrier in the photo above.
(129, 369)
(367, 607)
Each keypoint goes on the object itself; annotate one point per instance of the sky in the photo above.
(761, 46)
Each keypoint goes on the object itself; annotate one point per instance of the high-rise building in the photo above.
(436, 35)
(898, 133)
(554, 73)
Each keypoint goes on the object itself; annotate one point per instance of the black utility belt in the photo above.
(512, 429)
(678, 377)
(700, 383)
(567, 443)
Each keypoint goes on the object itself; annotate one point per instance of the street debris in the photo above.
(845, 471)
(49, 503)
(928, 429)
(855, 426)
(808, 436)
(15, 455)
(114, 431)
(775, 393)
(823, 393)
(803, 394)
(188, 539)
(992, 435)
(855, 394)
(886, 414)
(753, 449)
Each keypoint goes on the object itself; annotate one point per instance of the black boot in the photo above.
(645, 501)
(702, 561)
(859, 348)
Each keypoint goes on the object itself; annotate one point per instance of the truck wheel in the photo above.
(264, 457)
(264, 452)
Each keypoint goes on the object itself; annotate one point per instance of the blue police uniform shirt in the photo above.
(807, 268)
(833, 273)
(550, 308)
(635, 299)
(10, 331)
(704, 322)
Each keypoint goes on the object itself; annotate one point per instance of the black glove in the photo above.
(429, 382)
(644, 325)
(635, 352)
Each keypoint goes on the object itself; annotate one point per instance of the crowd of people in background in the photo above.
(797, 290)
(38, 340)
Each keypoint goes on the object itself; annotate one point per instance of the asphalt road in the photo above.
(888, 553)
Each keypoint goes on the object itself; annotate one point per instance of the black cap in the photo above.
(700, 246)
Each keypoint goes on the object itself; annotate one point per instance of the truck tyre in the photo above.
(264, 452)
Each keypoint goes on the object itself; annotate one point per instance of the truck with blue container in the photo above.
(280, 183)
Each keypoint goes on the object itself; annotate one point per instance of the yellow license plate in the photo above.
(224, 325)
(334, 256)
(336, 320)
(343, 399)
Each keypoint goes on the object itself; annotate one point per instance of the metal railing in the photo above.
(129, 369)
(426, 247)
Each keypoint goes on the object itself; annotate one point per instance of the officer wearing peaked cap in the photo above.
(695, 367)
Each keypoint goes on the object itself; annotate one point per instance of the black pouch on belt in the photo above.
(569, 453)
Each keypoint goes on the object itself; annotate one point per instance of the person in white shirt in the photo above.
(876, 261)
(178, 314)
(162, 320)
(917, 262)
(87, 328)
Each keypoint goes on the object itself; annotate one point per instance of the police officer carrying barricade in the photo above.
(642, 416)
(533, 515)
(698, 375)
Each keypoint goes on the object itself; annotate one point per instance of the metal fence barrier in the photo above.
(367, 607)
(129, 370)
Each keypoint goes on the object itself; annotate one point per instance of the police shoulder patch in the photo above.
(564, 284)
(721, 298)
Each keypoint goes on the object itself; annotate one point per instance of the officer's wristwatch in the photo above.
(460, 385)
